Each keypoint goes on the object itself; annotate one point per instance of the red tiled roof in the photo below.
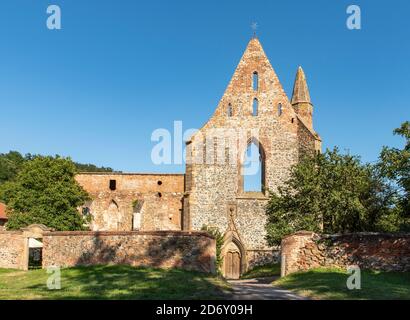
(3, 211)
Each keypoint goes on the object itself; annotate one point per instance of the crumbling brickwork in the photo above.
(156, 199)
(12, 250)
(375, 251)
(163, 249)
(214, 189)
(253, 109)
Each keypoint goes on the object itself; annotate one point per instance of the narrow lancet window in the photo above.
(280, 109)
(255, 107)
(255, 81)
(229, 110)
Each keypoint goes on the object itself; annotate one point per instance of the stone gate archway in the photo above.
(234, 260)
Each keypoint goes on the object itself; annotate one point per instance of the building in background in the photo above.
(254, 114)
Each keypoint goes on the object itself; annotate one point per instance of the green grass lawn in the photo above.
(112, 282)
(262, 271)
(330, 283)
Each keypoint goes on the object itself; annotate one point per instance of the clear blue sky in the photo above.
(118, 70)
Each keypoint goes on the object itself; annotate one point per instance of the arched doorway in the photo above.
(232, 262)
(234, 256)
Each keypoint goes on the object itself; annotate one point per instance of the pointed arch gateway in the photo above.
(234, 256)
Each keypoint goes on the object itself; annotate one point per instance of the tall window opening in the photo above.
(280, 109)
(255, 81)
(229, 110)
(111, 220)
(253, 168)
(255, 107)
(113, 185)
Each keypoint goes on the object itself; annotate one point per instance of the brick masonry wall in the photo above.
(262, 257)
(160, 194)
(306, 250)
(163, 249)
(12, 250)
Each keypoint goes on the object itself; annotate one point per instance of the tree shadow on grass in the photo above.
(127, 282)
(160, 268)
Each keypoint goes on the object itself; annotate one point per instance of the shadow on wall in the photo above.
(159, 252)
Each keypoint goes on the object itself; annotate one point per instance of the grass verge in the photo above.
(330, 283)
(262, 272)
(112, 282)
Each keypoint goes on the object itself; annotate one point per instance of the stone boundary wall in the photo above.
(163, 249)
(13, 250)
(262, 257)
(377, 251)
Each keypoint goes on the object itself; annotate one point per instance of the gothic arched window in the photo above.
(253, 168)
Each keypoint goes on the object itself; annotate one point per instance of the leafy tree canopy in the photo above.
(331, 193)
(44, 191)
(12, 162)
(395, 165)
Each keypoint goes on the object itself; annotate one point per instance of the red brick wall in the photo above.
(161, 195)
(306, 250)
(12, 250)
(163, 249)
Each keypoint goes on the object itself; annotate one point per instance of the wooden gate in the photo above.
(232, 265)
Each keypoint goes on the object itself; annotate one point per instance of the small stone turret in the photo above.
(301, 99)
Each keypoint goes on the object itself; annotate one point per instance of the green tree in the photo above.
(395, 165)
(10, 164)
(91, 168)
(213, 231)
(330, 193)
(45, 191)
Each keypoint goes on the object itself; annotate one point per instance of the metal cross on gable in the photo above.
(254, 27)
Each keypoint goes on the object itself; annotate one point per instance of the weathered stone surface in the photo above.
(376, 251)
(12, 250)
(214, 186)
(159, 195)
(164, 249)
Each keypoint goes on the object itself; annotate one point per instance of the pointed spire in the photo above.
(300, 88)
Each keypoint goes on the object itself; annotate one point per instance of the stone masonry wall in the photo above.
(306, 250)
(12, 250)
(163, 249)
(213, 175)
(160, 197)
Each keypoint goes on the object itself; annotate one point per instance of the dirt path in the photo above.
(260, 289)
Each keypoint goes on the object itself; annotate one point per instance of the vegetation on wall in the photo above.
(213, 231)
(44, 191)
(335, 193)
